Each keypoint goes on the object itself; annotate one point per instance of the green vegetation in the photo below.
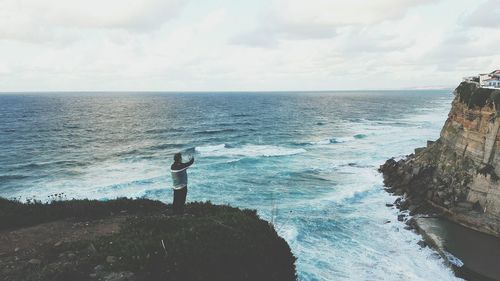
(17, 214)
(208, 242)
(473, 96)
(465, 91)
(221, 243)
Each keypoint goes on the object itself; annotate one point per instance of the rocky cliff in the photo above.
(457, 175)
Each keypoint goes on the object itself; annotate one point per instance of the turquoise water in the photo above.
(306, 161)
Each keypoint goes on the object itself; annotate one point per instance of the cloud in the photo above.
(168, 45)
(271, 30)
(34, 20)
(465, 50)
(320, 19)
(485, 15)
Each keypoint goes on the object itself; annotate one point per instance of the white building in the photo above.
(490, 80)
(493, 82)
(483, 78)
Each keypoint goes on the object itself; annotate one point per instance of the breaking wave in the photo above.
(338, 140)
(249, 150)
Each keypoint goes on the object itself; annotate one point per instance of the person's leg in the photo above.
(177, 200)
(182, 199)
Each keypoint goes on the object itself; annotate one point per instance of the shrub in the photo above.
(473, 96)
(17, 214)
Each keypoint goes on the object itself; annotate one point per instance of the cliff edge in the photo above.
(457, 175)
(133, 240)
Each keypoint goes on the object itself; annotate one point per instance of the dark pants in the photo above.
(179, 200)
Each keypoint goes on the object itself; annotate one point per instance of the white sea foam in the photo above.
(210, 148)
(454, 260)
(120, 180)
(249, 150)
(337, 140)
(320, 142)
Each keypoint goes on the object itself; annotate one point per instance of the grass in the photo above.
(208, 242)
(15, 214)
(220, 242)
(474, 96)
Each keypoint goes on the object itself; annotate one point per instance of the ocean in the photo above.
(306, 161)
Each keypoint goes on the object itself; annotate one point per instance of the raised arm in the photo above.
(188, 163)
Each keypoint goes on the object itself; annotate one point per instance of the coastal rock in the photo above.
(422, 243)
(456, 175)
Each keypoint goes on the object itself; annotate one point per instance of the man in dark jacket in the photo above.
(179, 179)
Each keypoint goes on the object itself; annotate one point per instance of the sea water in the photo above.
(306, 161)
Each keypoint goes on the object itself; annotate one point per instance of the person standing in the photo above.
(179, 179)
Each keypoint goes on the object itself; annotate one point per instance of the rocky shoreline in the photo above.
(455, 177)
(432, 221)
(420, 185)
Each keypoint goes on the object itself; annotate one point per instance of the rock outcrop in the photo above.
(457, 175)
(138, 240)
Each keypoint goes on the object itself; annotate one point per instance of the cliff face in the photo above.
(457, 174)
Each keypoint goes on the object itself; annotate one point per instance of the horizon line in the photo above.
(220, 91)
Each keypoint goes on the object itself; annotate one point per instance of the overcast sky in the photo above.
(214, 45)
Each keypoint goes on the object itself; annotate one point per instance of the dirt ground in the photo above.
(23, 249)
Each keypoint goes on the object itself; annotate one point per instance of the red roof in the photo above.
(493, 78)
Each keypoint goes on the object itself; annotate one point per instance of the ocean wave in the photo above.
(338, 140)
(214, 131)
(165, 130)
(249, 150)
(210, 148)
(357, 165)
(240, 115)
(127, 152)
(165, 146)
(12, 177)
(58, 163)
(307, 175)
(360, 136)
(334, 140)
(321, 142)
(453, 260)
(358, 195)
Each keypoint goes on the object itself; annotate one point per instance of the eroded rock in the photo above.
(456, 176)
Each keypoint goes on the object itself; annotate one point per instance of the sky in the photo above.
(236, 45)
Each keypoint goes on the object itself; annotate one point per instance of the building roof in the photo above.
(496, 71)
(492, 79)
